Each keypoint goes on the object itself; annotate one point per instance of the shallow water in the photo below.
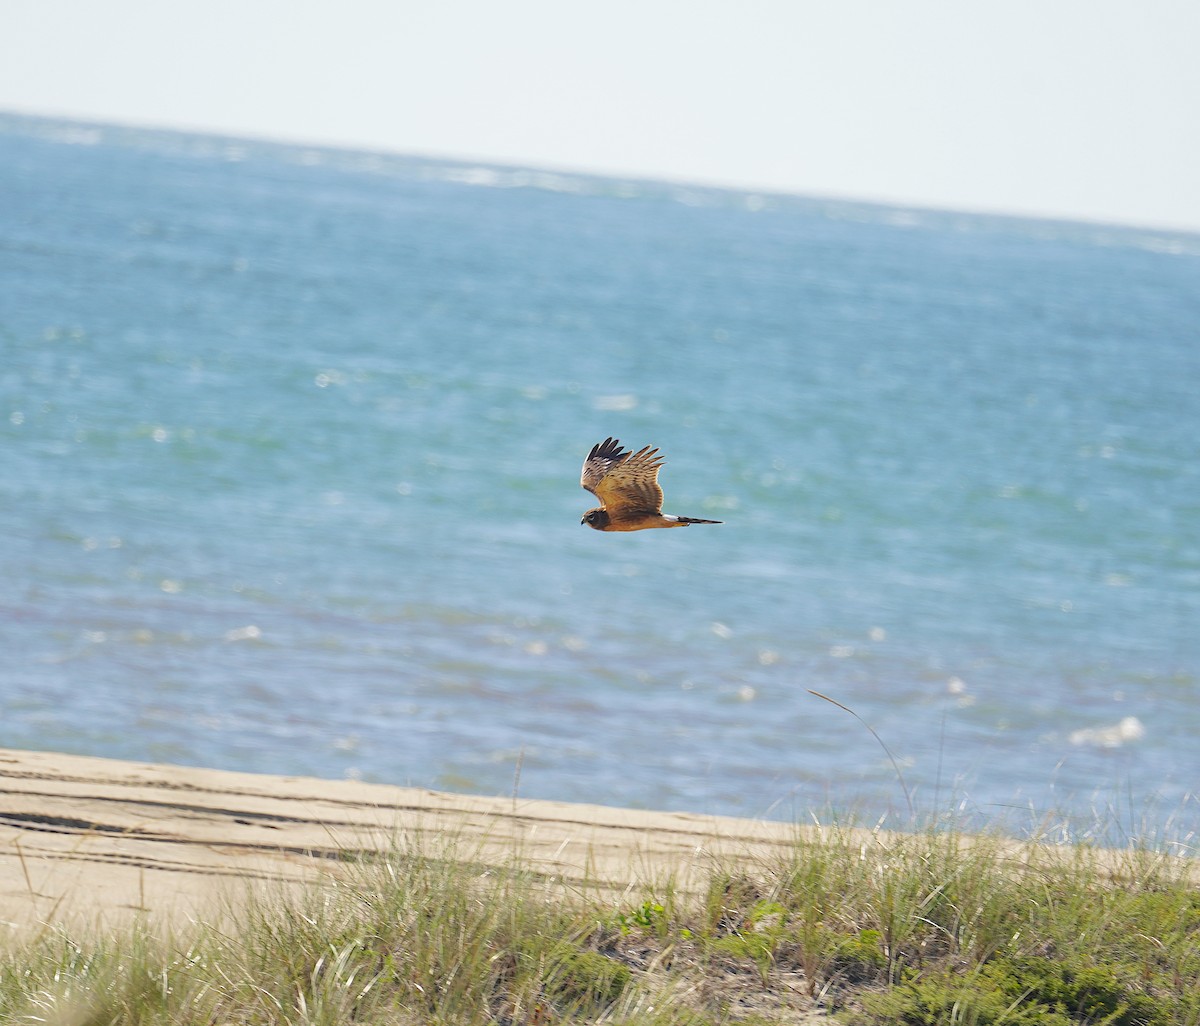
(291, 442)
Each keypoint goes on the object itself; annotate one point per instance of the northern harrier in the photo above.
(627, 487)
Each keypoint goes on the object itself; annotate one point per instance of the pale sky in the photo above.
(1083, 109)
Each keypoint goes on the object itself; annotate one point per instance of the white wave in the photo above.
(1129, 729)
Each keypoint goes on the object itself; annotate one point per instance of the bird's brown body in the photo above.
(627, 486)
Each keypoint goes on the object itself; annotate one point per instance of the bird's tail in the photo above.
(693, 520)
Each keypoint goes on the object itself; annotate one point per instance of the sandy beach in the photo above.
(96, 843)
(89, 846)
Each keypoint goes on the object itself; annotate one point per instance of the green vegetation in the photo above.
(925, 929)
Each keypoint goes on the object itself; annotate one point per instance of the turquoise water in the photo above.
(290, 444)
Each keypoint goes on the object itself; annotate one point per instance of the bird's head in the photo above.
(595, 518)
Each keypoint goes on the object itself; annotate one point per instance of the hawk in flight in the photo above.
(627, 486)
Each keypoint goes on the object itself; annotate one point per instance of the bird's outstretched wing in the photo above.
(603, 457)
(621, 481)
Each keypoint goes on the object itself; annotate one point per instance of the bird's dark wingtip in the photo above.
(609, 449)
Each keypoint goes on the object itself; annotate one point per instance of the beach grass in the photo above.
(853, 926)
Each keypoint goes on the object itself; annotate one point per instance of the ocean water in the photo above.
(290, 443)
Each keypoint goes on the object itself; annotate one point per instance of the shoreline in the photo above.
(99, 843)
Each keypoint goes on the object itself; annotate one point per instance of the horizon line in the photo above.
(467, 161)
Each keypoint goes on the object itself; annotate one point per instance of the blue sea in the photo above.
(290, 442)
